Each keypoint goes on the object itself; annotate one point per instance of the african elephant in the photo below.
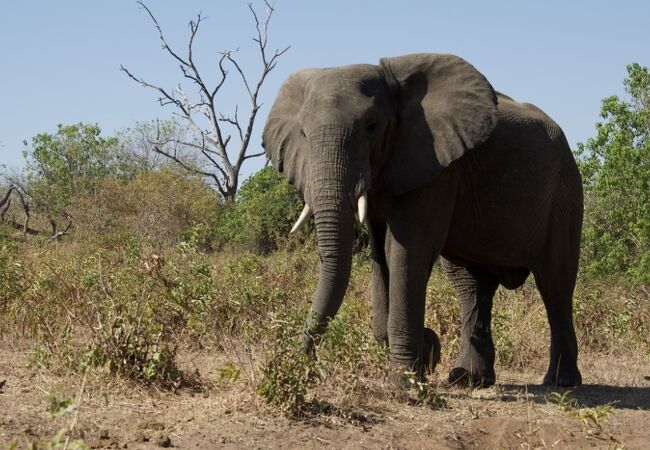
(439, 164)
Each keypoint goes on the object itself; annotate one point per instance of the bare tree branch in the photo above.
(5, 203)
(6, 197)
(58, 234)
(25, 206)
(158, 145)
(165, 46)
(166, 98)
(220, 166)
(4, 210)
(233, 121)
(255, 155)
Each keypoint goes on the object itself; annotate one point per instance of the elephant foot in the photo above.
(459, 376)
(474, 366)
(403, 378)
(405, 375)
(563, 378)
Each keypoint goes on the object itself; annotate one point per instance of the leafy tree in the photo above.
(64, 164)
(264, 213)
(615, 166)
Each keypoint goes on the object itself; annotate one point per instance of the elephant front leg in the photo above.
(417, 230)
(475, 289)
(405, 327)
(413, 348)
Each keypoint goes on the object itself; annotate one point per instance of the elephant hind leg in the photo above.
(555, 278)
(475, 289)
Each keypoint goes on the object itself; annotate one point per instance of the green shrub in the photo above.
(615, 167)
(67, 163)
(261, 218)
(289, 372)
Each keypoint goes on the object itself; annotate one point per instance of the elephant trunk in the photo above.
(331, 196)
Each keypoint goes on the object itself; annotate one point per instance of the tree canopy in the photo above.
(66, 163)
(615, 166)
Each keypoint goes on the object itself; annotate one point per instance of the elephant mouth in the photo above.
(305, 215)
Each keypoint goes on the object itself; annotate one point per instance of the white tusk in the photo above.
(302, 220)
(362, 206)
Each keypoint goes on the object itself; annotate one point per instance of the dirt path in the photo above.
(514, 414)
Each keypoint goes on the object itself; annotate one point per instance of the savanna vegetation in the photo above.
(128, 262)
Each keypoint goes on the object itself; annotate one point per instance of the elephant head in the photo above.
(338, 134)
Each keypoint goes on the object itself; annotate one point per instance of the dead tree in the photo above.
(14, 190)
(218, 163)
(5, 204)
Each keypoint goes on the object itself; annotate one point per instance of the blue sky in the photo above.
(60, 60)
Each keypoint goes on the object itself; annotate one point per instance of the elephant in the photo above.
(439, 164)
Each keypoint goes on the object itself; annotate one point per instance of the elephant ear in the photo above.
(283, 140)
(445, 107)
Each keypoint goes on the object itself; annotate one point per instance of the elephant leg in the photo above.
(379, 282)
(475, 289)
(407, 290)
(555, 279)
(429, 353)
(417, 230)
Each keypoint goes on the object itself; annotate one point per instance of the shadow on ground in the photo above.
(589, 395)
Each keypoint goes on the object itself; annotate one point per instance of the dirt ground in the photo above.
(516, 413)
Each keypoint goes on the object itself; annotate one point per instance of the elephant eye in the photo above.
(371, 125)
(302, 133)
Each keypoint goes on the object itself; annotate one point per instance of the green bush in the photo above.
(261, 218)
(289, 372)
(67, 163)
(615, 167)
(264, 213)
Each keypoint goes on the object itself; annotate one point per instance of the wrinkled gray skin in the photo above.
(451, 168)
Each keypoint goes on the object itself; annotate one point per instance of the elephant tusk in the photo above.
(362, 206)
(302, 220)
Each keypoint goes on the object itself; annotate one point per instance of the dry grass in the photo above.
(229, 322)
